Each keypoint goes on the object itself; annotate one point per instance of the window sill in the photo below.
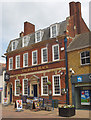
(86, 65)
(44, 95)
(55, 60)
(17, 95)
(56, 95)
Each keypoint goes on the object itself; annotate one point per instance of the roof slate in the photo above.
(46, 35)
(80, 41)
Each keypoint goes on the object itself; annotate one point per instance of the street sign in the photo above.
(79, 78)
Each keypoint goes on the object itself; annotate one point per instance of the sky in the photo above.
(41, 13)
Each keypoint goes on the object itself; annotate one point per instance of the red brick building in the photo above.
(37, 57)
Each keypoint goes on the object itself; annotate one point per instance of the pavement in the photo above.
(10, 112)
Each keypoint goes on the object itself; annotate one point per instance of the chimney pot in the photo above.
(21, 34)
(75, 8)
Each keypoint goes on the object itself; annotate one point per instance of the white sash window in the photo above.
(55, 52)
(44, 86)
(56, 85)
(25, 86)
(25, 59)
(11, 63)
(34, 57)
(44, 55)
(17, 61)
(17, 88)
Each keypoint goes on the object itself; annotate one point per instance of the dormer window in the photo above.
(14, 45)
(25, 41)
(38, 36)
(53, 31)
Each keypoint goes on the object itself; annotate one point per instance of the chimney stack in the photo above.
(78, 8)
(21, 34)
(75, 8)
(28, 28)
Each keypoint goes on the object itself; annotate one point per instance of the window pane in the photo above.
(87, 53)
(82, 54)
(83, 61)
(87, 60)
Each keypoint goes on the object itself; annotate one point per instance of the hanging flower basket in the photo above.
(66, 110)
(48, 83)
(18, 85)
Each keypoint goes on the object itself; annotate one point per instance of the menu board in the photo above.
(85, 97)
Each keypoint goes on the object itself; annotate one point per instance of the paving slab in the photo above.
(10, 112)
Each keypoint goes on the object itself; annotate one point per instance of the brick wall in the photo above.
(74, 63)
(37, 47)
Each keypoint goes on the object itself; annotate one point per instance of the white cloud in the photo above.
(42, 13)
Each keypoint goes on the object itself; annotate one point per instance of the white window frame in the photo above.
(15, 87)
(23, 87)
(12, 63)
(84, 58)
(53, 85)
(42, 55)
(24, 61)
(36, 41)
(16, 42)
(51, 36)
(42, 85)
(27, 40)
(16, 61)
(36, 57)
(13, 46)
(53, 52)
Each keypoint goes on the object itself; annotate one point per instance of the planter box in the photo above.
(66, 112)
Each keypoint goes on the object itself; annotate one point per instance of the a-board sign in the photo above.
(5, 100)
(19, 104)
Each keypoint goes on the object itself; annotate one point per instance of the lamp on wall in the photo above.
(63, 91)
